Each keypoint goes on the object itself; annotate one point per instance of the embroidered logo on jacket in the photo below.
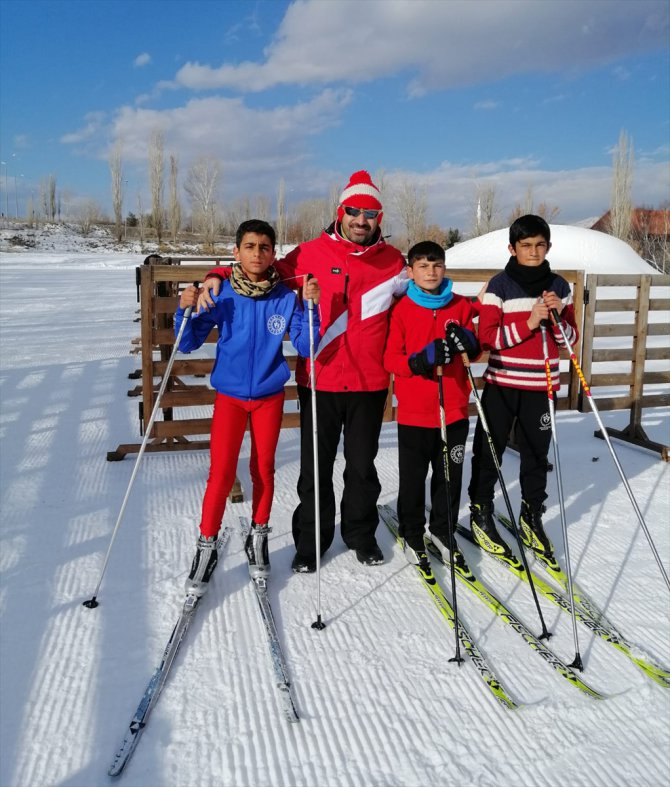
(277, 324)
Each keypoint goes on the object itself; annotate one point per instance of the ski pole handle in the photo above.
(189, 309)
(310, 301)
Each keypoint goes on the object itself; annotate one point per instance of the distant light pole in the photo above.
(6, 192)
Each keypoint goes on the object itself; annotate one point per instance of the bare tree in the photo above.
(89, 213)
(333, 202)
(140, 219)
(281, 214)
(52, 197)
(156, 182)
(174, 211)
(651, 237)
(31, 218)
(116, 172)
(308, 219)
(47, 197)
(548, 212)
(262, 208)
(486, 211)
(411, 204)
(202, 183)
(621, 206)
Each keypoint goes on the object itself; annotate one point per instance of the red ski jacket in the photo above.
(411, 328)
(358, 286)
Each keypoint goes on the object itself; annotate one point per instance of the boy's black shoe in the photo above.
(256, 548)
(532, 529)
(303, 565)
(484, 531)
(370, 554)
(204, 562)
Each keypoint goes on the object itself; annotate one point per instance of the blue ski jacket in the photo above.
(250, 362)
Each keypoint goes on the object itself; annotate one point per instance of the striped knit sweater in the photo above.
(516, 357)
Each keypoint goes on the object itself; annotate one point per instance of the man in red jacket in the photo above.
(360, 275)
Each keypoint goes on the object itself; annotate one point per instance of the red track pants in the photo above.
(228, 425)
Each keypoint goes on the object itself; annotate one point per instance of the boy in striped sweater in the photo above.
(515, 303)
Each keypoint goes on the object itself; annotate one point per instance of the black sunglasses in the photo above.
(353, 212)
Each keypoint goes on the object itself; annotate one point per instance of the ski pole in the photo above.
(92, 602)
(559, 482)
(318, 623)
(450, 520)
(585, 387)
(482, 417)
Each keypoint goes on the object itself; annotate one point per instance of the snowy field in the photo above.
(380, 704)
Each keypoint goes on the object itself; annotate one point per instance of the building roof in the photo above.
(644, 221)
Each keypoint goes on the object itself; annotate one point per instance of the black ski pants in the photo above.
(533, 435)
(418, 449)
(357, 414)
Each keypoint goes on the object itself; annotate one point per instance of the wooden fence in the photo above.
(187, 392)
(627, 331)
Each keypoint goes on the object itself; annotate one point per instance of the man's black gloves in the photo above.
(461, 340)
(436, 353)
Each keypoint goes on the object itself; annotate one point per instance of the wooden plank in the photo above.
(651, 354)
(146, 295)
(641, 321)
(629, 329)
(623, 378)
(625, 402)
(619, 329)
(588, 325)
(578, 292)
(615, 305)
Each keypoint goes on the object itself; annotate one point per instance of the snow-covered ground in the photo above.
(379, 701)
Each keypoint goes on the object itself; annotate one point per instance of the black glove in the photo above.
(461, 340)
(436, 353)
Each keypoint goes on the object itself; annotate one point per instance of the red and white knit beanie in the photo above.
(360, 192)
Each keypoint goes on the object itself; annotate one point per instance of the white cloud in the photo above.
(21, 141)
(487, 105)
(142, 60)
(253, 145)
(95, 123)
(353, 41)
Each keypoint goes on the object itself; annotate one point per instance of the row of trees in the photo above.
(406, 203)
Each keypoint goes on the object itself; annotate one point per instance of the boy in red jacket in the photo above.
(429, 327)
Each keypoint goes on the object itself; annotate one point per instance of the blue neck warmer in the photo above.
(430, 300)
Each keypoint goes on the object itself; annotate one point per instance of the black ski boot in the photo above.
(256, 548)
(532, 529)
(415, 553)
(484, 531)
(447, 548)
(204, 562)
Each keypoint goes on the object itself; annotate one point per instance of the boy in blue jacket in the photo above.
(252, 312)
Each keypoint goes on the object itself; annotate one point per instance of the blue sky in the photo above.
(454, 95)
